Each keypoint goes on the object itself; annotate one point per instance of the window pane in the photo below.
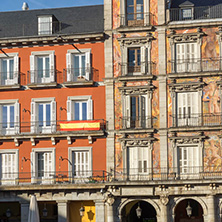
(84, 111)
(47, 67)
(12, 115)
(11, 68)
(4, 69)
(48, 114)
(83, 71)
(4, 117)
(76, 110)
(76, 65)
(40, 67)
(40, 164)
(131, 57)
(40, 114)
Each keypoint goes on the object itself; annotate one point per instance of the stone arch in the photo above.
(151, 202)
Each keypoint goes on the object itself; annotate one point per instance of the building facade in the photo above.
(52, 113)
(164, 134)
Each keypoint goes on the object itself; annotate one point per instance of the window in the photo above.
(43, 115)
(9, 116)
(136, 112)
(43, 165)
(81, 158)
(79, 108)
(187, 13)
(78, 65)
(9, 66)
(42, 67)
(45, 25)
(187, 109)
(186, 57)
(134, 60)
(188, 160)
(135, 13)
(9, 166)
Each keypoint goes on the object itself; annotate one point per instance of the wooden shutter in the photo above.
(17, 117)
(53, 116)
(34, 167)
(127, 117)
(16, 69)
(34, 117)
(88, 65)
(69, 67)
(180, 57)
(52, 67)
(48, 164)
(143, 117)
(90, 109)
(143, 60)
(133, 161)
(32, 69)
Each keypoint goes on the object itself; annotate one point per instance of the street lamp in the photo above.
(138, 211)
(8, 213)
(189, 210)
(44, 211)
(81, 211)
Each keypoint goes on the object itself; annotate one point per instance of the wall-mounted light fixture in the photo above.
(44, 211)
(81, 211)
(189, 210)
(138, 211)
(8, 213)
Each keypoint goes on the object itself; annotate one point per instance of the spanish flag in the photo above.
(79, 125)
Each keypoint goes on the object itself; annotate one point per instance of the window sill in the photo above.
(79, 83)
(42, 85)
(10, 87)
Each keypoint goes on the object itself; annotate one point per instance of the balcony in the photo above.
(48, 129)
(195, 13)
(193, 66)
(42, 78)
(80, 76)
(134, 20)
(140, 71)
(196, 120)
(171, 174)
(136, 123)
(9, 80)
(53, 177)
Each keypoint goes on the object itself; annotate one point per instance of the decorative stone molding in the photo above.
(187, 187)
(126, 41)
(213, 186)
(219, 34)
(32, 141)
(136, 90)
(164, 199)
(186, 87)
(186, 37)
(16, 142)
(188, 139)
(135, 142)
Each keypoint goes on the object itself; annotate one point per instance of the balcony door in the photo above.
(134, 60)
(43, 65)
(187, 109)
(135, 12)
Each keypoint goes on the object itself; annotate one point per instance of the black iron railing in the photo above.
(195, 65)
(136, 19)
(48, 127)
(80, 74)
(136, 122)
(144, 68)
(9, 78)
(202, 119)
(195, 13)
(170, 174)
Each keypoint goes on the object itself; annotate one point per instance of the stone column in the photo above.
(63, 211)
(24, 211)
(100, 211)
(164, 209)
(109, 208)
(211, 208)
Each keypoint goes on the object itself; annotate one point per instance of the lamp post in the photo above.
(138, 211)
(189, 210)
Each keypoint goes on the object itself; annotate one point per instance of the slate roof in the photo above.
(74, 20)
(197, 3)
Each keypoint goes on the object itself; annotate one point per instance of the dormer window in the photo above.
(47, 25)
(186, 10)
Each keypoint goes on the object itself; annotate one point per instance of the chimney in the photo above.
(25, 6)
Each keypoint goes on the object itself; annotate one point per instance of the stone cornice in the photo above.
(187, 139)
(137, 142)
(133, 90)
(185, 87)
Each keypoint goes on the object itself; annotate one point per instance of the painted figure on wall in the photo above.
(211, 95)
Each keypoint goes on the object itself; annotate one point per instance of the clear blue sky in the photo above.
(15, 5)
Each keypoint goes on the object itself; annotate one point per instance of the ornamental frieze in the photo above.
(133, 90)
(137, 142)
(185, 87)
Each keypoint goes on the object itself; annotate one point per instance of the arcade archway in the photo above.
(188, 210)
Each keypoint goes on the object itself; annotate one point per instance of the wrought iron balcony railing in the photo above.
(145, 68)
(196, 120)
(196, 13)
(49, 127)
(136, 19)
(195, 65)
(54, 177)
(41, 76)
(137, 122)
(80, 74)
(9, 78)
(170, 174)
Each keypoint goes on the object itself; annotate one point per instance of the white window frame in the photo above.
(34, 78)
(145, 58)
(11, 180)
(78, 178)
(47, 178)
(34, 117)
(123, 12)
(15, 79)
(70, 106)
(10, 130)
(48, 31)
(70, 66)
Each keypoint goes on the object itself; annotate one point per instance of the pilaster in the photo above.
(24, 211)
(100, 211)
(63, 211)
